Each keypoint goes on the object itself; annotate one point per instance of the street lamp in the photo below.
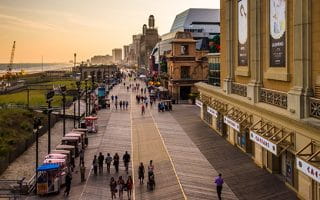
(74, 111)
(86, 87)
(79, 94)
(49, 98)
(36, 127)
(63, 92)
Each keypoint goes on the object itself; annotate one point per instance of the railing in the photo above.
(315, 107)
(13, 188)
(276, 98)
(239, 89)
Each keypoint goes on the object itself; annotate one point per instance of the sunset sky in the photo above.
(55, 29)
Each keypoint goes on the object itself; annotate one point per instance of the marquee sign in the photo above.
(264, 142)
(232, 123)
(308, 169)
(212, 111)
(199, 103)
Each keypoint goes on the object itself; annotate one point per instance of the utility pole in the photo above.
(36, 126)
(63, 92)
(79, 95)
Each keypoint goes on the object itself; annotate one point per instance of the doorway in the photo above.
(184, 92)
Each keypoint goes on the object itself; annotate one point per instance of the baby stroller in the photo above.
(151, 182)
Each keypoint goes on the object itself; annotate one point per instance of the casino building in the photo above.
(267, 98)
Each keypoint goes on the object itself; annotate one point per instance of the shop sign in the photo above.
(308, 169)
(212, 111)
(264, 142)
(243, 32)
(232, 124)
(199, 103)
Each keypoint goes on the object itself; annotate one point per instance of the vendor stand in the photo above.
(49, 179)
(91, 124)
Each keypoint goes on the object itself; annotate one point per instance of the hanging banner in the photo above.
(277, 33)
(308, 169)
(263, 142)
(243, 32)
(231, 123)
(212, 111)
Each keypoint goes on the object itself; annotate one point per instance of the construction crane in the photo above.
(12, 56)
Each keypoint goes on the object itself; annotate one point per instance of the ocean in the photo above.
(35, 67)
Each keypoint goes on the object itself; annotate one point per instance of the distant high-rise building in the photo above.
(126, 49)
(107, 59)
(116, 55)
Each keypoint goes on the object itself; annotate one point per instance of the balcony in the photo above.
(239, 89)
(276, 98)
(315, 108)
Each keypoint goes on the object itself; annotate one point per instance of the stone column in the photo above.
(301, 90)
(229, 47)
(255, 51)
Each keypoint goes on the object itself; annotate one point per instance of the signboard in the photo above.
(212, 111)
(264, 142)
(308, 169)
(198, 103)
(42, 188)
(232, 124)
(243, 32)
(277, 49)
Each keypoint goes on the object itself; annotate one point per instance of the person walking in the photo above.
(151, 102)
(121, 185)
(116, 97)
(127, 104)
(129, 187)
(120, 104)
(141, 173)
(95, 165)
(81, 155)
(100, 161)
(116, 162)
(116, 105)
(113, 188)
(150, 169)
(142, 110)
(108, 162)
(82, 172)
(146, 101)
(126, 160)
(112, 97)
(219, 182)
(68, 184)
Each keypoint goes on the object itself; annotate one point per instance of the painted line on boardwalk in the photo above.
(132, 164)
(171, 161)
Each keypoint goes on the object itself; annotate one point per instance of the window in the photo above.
(214, 74)
(184, 50)
(185, 72)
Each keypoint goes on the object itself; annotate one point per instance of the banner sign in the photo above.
(232, 124)
(212, 111)
(199, 103)
(277, 33)
(264, 142)
(308, 169)
(243, 32)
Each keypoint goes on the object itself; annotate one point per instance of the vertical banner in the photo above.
(277, 33)
(243, 32)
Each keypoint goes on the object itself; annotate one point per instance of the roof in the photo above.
(195, 16)
(48, 167)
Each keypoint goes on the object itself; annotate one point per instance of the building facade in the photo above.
(268, 102)
(186, 66)
(116, 55)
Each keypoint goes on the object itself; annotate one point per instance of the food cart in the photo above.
(91, 124)
(64, 152)
(49, 179)
(71, 149)
(63, 167)
(74, 141)
(80, 136)
(57, 156)
(83, 131)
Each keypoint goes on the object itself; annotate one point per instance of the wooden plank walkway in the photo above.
(193, 169)
(246, 180)
(147, 145)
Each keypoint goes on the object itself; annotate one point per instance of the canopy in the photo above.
(55, 156)
(91, 118)
(55, 161)
(48, 167)
(142, 76)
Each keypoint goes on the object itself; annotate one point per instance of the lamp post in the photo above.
(49, 98)
(63, 92)
(79, 94)
(86, 87)
(74, 111)
(36, 126)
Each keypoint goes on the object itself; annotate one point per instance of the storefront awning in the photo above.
(237, 119)
(274, 139)
(308, 160)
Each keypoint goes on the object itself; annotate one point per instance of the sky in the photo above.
(56, 29)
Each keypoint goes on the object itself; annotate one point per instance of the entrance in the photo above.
(207, 116)
(184, 92)
(244, 142)
(221, 126)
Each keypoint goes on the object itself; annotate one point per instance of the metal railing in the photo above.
(239, 89)
(276, 98)
(315, 107)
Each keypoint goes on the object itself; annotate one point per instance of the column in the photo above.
(254, 49)
(229, 47)
(298, 95)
